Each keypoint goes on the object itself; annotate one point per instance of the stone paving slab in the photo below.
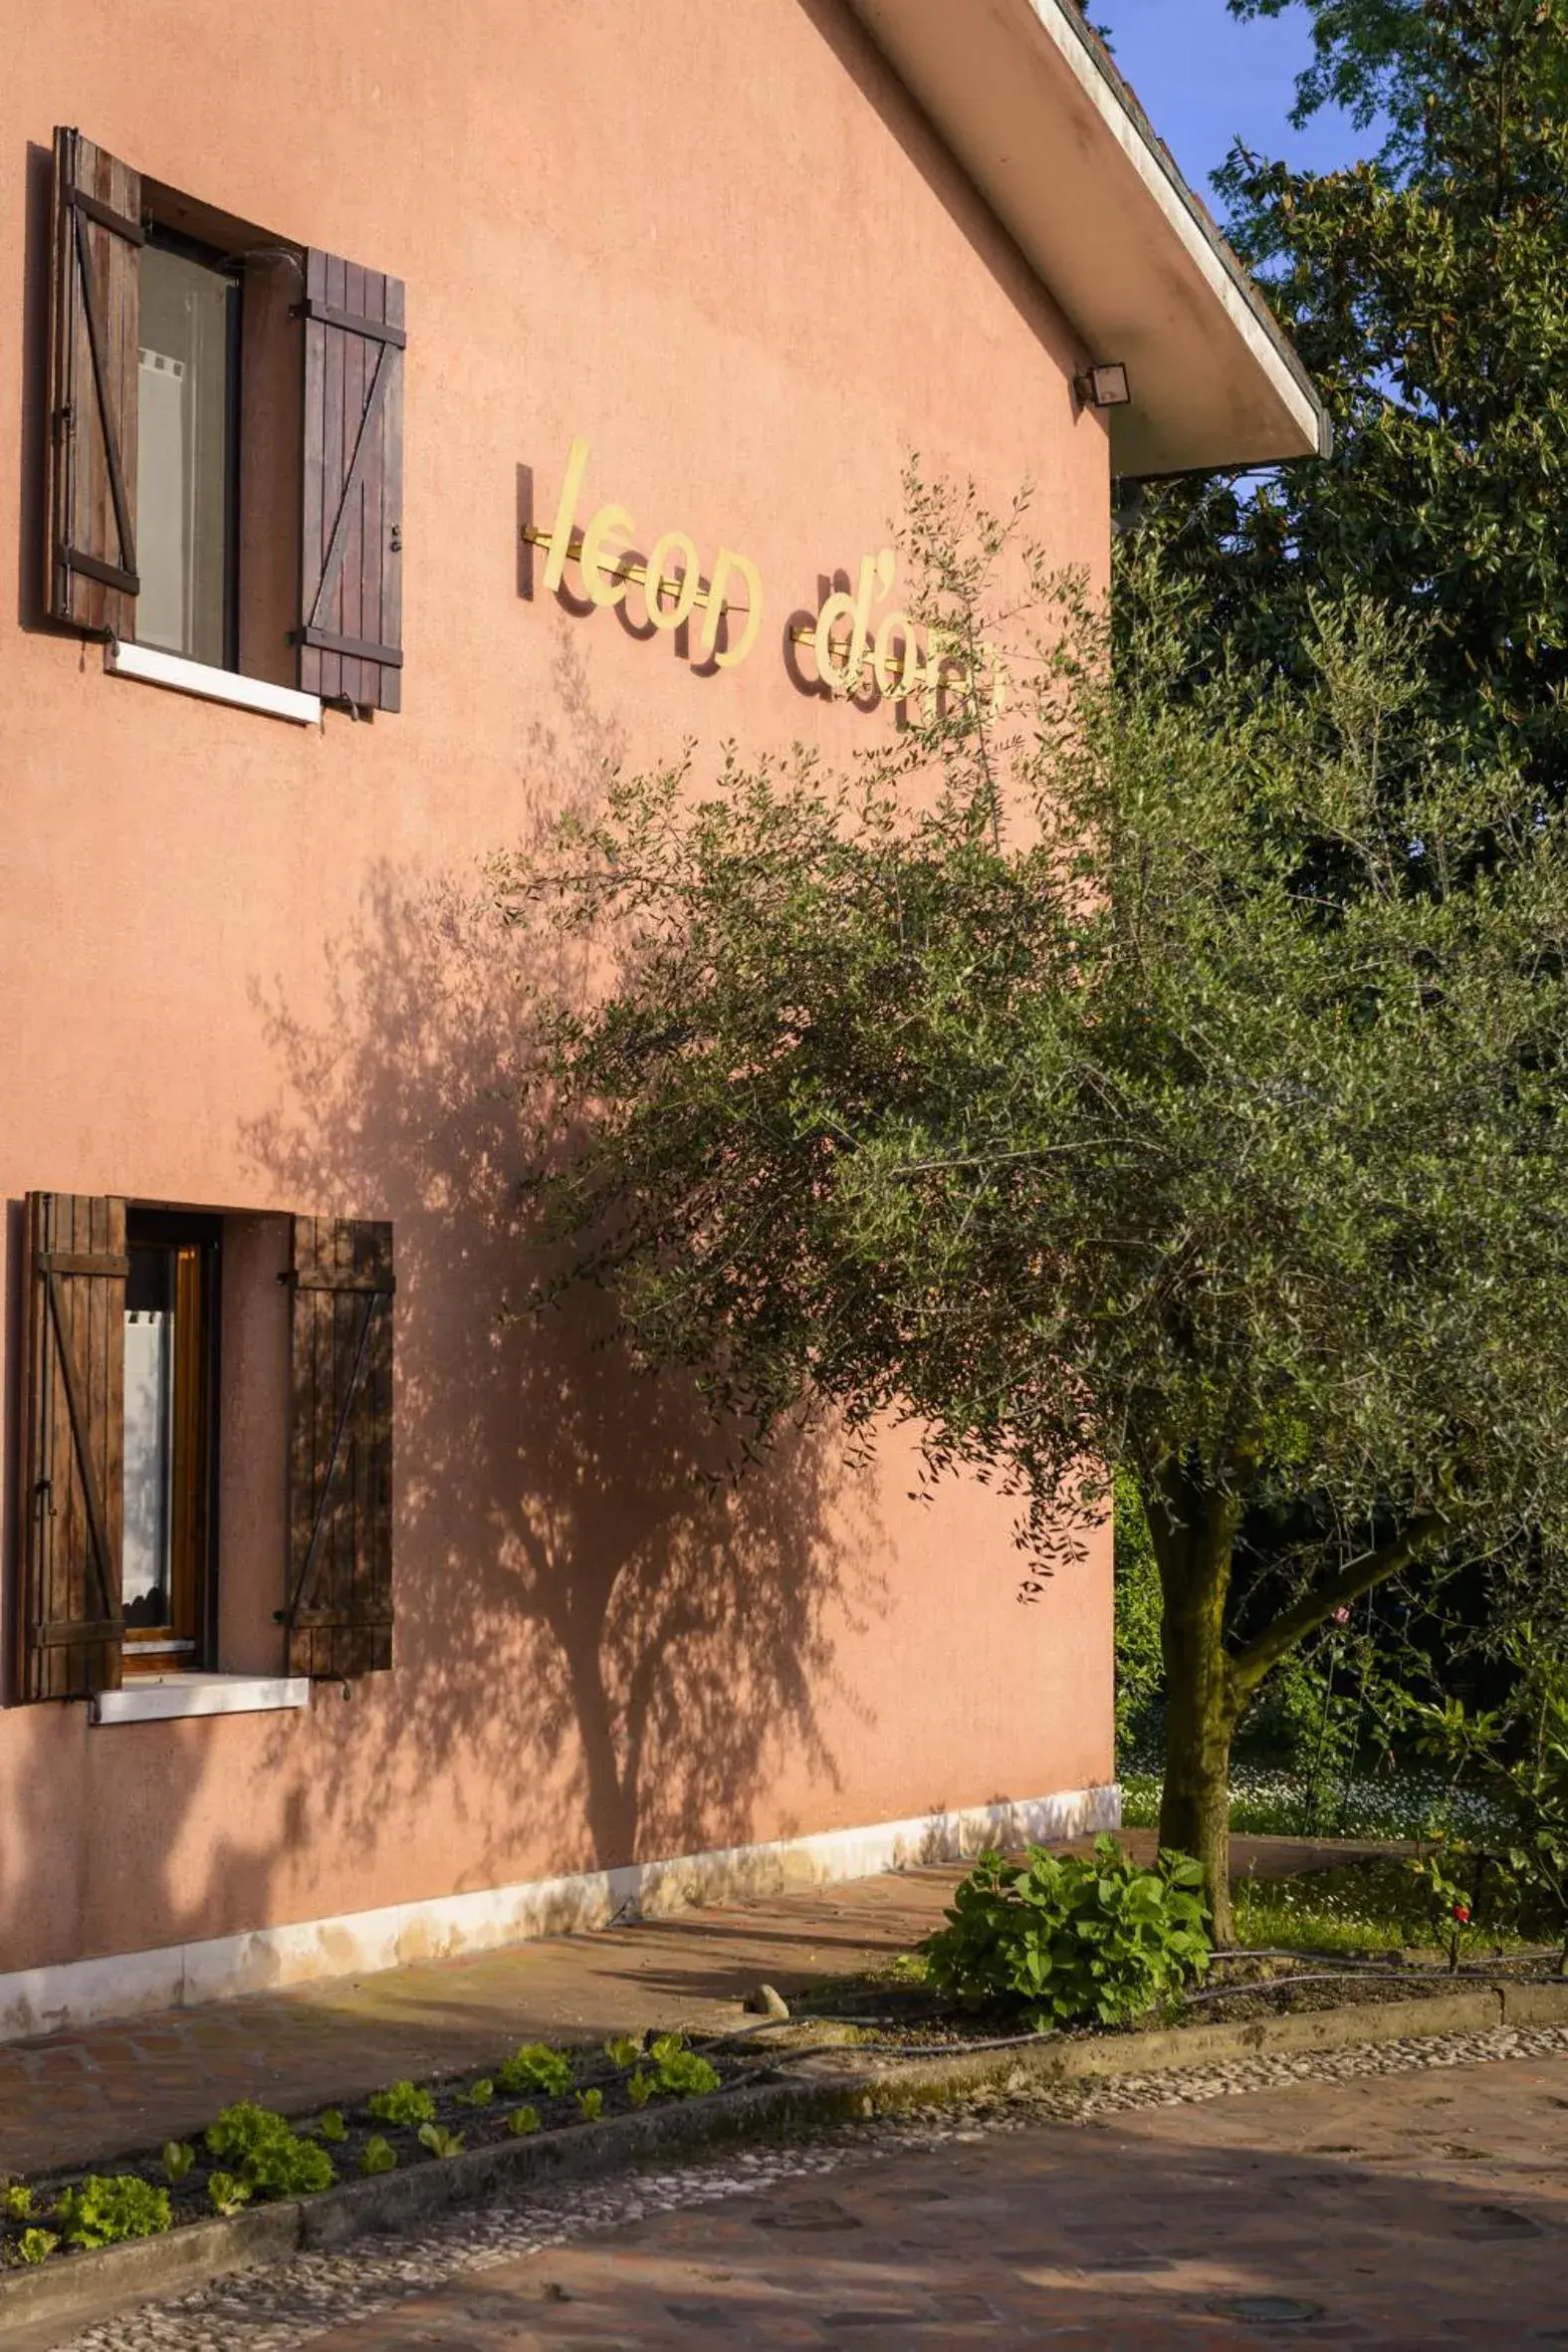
(81, 2097)
(1423, 2210)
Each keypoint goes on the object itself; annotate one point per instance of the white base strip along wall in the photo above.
(130, 1984)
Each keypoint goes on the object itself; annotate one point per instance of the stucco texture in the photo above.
(238, 968)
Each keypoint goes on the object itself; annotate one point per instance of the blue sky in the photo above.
(1204, 80)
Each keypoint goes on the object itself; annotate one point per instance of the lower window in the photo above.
(170, 1446)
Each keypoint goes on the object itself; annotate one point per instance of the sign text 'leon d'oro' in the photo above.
(857, 648)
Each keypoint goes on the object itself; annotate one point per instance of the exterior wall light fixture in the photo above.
(1103, 388)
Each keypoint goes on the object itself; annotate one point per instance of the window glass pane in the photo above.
(183, 456)
(149, 1436)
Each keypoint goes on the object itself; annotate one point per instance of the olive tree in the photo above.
(1160, 1081)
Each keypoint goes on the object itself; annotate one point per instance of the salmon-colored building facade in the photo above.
(347, 1620)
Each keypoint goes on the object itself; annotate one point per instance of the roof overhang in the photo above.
(1029, 103)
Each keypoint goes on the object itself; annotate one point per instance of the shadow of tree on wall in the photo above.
(604, 1652)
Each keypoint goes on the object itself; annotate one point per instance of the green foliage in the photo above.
(1425, 289)
(377, 2156)
(1208, 1120)
(680, 2073)
(1140, 1667)
(109, 2208)
(478, 2094)
(522, 2121)
(35, 2246)
(592, 2103)
(227, 2193)
(640, 2088)
(439, 2141)
(533, 2066)
(623, 2050)
(1518, 1754)
(402, 2104)
(1069, 1941)
(16, 2201)
(270, 2156)
(331, 2125)
(178, 2157)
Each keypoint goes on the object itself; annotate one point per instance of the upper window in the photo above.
(187, 453)
(226, 447)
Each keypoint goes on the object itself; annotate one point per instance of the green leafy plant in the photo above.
(226, 2192)
(270, 2156)
(478, 2094)
(623, 2050)
(178, 2157)
(592, 2106)
(522, 2121)
(1452, 1900)
(640, 2088)
(534, 2066)
(403, 2105)
(35, 2246)
(16, 2200)
(1069, 1940)
(439, 2139)
(679, 2073)
(107, 2207)
(331, 2125)
(377, 2156)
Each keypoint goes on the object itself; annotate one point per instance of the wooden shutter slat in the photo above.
(350, 603)
(73, 1441)
(95, 372)
(338, 1610)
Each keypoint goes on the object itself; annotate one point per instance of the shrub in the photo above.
(522, 2121)
(269, 2155)
(35, 2246)
(533, 2066)
(377, 2156)
(1066, 1940)
(109, 2208)
(227, 2193)
(403, 2105)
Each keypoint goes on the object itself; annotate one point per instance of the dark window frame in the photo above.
(187, 1642)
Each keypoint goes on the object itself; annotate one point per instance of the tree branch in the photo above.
(1248, 1667)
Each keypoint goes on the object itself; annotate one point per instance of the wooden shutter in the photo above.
(94, 367)
(352, 532)
(74, 1381)
(340, 1608)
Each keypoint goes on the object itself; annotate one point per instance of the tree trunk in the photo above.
(1193, 1532)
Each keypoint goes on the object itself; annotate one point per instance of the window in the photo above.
(171, 1451)
(187, 451)
(226, 460)
(123, 1395)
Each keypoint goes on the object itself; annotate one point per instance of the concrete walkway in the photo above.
(82, 2098)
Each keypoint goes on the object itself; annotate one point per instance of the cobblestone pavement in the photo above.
(1404, 2198)
(79, 2098)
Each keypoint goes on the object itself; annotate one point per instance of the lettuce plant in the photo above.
(403, 2105)
(109, 2208)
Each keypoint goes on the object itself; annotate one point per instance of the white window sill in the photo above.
(211, 685)
(160, 1698)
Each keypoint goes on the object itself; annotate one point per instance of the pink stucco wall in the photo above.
(235, 971)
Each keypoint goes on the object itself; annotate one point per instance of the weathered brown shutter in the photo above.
(340, 1606)
(94, 366)
(351, 533)
(74, 1422)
